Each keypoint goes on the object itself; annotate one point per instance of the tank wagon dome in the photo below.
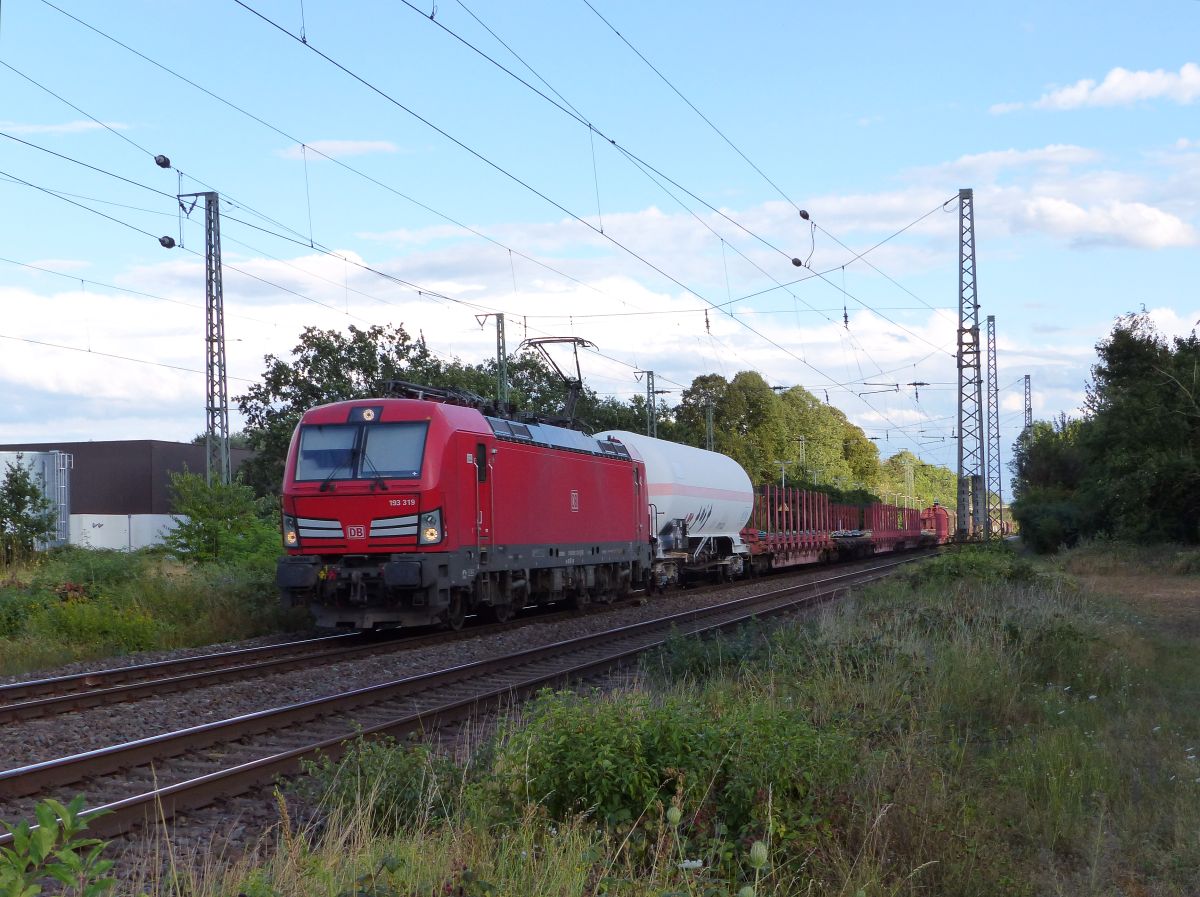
(709, 491)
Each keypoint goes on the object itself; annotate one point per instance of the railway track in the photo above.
(64, 694)
(49, 696)
(159, 776)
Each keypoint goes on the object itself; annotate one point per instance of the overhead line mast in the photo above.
(995, 505)
(216, 431)
(970, 520)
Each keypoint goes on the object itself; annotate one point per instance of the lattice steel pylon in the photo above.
(994, 525)
(970, 384)
(216, 432)
(1028, 405)
(651, 410)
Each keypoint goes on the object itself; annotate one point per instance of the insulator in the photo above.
(804, 214)
(162, 161)
(166, 242)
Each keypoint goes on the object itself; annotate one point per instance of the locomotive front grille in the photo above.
(314, 528)
(394, 527)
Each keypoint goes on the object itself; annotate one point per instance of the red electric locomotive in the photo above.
(400, 512)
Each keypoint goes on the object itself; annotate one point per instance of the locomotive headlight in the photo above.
(431, 528)
(291, 534)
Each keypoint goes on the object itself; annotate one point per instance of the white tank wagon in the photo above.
(699, 503)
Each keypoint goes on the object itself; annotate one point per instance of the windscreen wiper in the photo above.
(377, 479)
(325, 482)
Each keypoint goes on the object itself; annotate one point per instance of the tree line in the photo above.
(773, 434)
(1129, 467)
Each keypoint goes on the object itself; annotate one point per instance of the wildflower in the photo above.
(758, 855)
(673, 815)
(691, 864)
(1091, 697)
(1061, 712)
(1156, 728)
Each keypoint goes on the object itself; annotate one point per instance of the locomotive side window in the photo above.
(326, 451)
(393, 450)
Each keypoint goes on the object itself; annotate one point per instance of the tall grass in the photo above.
(1008, 735)
(84, 604)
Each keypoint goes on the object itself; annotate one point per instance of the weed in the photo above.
(54, 848)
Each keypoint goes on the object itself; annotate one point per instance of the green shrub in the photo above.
(717, 754)
(102, 623)
(390, 786)
(89, 567)
(1049, 519)
(18, 606)
(987, 563)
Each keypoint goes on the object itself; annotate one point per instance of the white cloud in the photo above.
(1185, 143)
(1112, 223)
(1120, 87)
(70, 127)
(1055, 154)
(339, 148)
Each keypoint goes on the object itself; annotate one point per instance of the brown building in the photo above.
(126, 476)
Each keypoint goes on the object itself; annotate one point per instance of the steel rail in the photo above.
(129, 812)
(36, 698)
(132, 683)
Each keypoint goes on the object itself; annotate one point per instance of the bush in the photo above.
(716, 755)
(390, 786)
(1049, 520)
(992, 562)
(89, 567)
(224, 523)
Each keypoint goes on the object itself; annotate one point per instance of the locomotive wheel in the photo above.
(456, 613)
(500, 613)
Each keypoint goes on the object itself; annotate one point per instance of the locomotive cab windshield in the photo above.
(361, 451)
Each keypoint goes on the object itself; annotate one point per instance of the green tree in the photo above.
(330, 366)
(1131, 466)
(753, 429)
(26, 514)
(326, 366)
(223, 522)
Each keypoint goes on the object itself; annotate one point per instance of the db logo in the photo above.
(574, 499)
(356, 532)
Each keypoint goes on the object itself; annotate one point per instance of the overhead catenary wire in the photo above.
(296, 140)
(159, 364)
(751, 329)
(579, 118)
(316, 151)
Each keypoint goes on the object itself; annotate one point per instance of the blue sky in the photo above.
(1075, 124)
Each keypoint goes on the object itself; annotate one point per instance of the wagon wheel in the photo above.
(456, 613)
